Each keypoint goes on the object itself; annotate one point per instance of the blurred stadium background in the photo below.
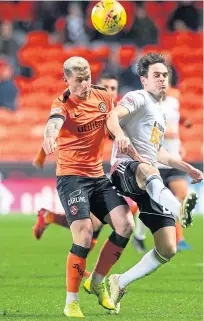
(35, 39)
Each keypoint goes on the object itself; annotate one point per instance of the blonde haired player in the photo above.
(46, 217)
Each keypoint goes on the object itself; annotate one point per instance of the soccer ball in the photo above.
(108, 17)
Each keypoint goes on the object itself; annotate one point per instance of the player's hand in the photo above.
(122, 143)
(195, 174)
(37, 164)
(134, 155)
(49, 145)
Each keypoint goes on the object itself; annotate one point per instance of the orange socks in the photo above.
(59, 219)
(179, 232)
(110, 253)
(76, 264)
(74, 272)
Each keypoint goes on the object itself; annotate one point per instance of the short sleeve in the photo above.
(132, 101)
(58, 108)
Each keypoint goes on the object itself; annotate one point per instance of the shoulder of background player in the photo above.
(98, 87)
(102, 95)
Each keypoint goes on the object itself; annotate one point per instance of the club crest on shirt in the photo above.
(102, 107)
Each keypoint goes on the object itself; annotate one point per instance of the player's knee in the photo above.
(168, 251)
(126, 227)
(143, 172)
(181, 195)
(86, 236)
(84, 233)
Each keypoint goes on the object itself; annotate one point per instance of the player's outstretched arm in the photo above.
(113, 126)
(165, 158)
(51, 132)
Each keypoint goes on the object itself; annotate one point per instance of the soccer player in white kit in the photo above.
(174, 179)
(138, 125)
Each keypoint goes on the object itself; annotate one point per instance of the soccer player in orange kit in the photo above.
(77, 126)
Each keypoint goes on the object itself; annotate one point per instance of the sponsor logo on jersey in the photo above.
(157, 133)
(90, 126)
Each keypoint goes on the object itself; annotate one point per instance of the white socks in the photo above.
(149, 263)
(71, 296)
(162, 195)
(140, 229)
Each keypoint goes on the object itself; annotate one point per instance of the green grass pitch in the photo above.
(32, 277)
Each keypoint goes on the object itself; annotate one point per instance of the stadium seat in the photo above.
(49, 68)
(56, 52)
(31, 116)
(24, 11)
(191, 100)
(96, 69)
(79, 51)
(153, 9)
(31, 55)
(193, 149)
(151, 48)
(7, 11)
(194, 133)
(100, 53)
(174, 92)
(6, 115)
(37, 38)
(3, 132)
(126, 55)
(194, 84)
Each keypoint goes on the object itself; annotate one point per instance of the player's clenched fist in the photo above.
(196, 175)
(49, 145)
(122, 143)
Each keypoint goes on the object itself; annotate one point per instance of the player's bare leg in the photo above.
(97, 227)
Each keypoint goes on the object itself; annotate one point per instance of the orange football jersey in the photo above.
(81, 138)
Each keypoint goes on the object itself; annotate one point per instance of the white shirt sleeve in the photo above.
(132, 101)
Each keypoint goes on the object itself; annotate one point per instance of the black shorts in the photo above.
(81, 195)
(153, 215)
(171, 174)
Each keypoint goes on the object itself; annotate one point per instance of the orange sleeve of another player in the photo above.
(58, 108)
(39, 159)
